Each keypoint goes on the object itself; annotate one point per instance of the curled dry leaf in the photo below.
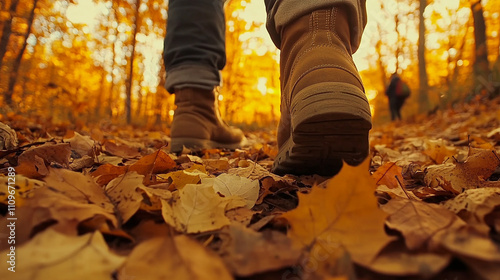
(458, 177)
(34, 161)
(197, 208)
(51, 255)
(81, 145)
(167, 257)
(345, 213)
(250, 252)
(473, 206)
(192, 175)
(8, 137)
(124, 191)
(417, 221)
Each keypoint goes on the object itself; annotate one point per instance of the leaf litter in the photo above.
(115, 204)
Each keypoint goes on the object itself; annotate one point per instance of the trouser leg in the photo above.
(282, 12)
(194, 50)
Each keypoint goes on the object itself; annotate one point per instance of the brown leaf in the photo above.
(178, 258)
(417, 221)
(123, 151)
(473, 206)
(124, 192)
(8, 137)
(396, 260)
(82, 145)
(250, 252)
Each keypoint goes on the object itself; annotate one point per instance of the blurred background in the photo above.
(99, 61)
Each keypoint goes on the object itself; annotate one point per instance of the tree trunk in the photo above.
(7, 30)
(481, 65)
(17, 62)
(130, 77)
(423, 98)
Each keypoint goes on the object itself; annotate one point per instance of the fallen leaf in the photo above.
(8, 137)
(49, 152)
(82, 145)
(197, 208)
(417, 221)
(124, 192)
(396, 260)
(24, 188)
(250, 252)
(473, 205)
(439, 150)
(458, 177)
(51, 255)
(232, 185)
(123, 151)
(178, 258)
(345, 213)
(107, 172)
(386, 175)
(191, 175)
(154, 163)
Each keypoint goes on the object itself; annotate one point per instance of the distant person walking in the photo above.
(397, 92)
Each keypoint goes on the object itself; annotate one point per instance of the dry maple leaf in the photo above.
(197, 208)
(345, 213)
(179, 258)
(458, 177)
(55, 256)
(386, 175)
(417, 221)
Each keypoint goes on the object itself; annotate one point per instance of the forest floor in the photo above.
(112, 203)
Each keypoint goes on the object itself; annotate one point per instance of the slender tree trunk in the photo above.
(481, 65)
(17, 62)
(130, 78)
(7, 30)
(111, 97)
(423, 98)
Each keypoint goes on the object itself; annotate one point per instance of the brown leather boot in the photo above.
(197, 124)
(325, 116)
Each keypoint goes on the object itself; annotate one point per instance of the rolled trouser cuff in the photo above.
(282, 13)
(192, 76)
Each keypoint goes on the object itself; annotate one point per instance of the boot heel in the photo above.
(330, 124)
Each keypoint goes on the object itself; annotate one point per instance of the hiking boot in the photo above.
(197, 123)
(325, 115)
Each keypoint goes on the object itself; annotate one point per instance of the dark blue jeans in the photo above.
(195, 52)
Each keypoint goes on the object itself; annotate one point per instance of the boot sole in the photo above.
(330, 124)
(195, 144)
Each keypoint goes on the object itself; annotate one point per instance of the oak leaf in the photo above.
(345, 213)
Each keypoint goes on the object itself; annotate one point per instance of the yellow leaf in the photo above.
(123, 192)
(179, 258)
(51, 255)
(197, 208)
(345, 213)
